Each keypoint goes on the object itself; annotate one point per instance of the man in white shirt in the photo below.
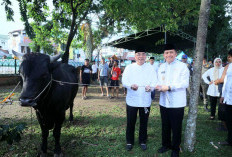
(139, 79)
(173, 79)
(155, 67)
(152, 62)
(94, 71)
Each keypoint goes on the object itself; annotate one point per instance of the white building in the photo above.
(4, 42)
(19, 41)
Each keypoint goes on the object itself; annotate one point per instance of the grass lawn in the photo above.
(99, 130)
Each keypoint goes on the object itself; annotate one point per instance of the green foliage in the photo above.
(63, 22)
(11, 133)
(25, 18)
(148, 14)
(46, 26)
(42, 38)
(220, 32)
(8, 10)
(175, 14)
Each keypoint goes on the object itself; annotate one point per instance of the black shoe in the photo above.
(129, 147)
(175, 154)
(163, 149)
(143, 146)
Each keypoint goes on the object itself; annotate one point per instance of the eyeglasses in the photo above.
(218, 61)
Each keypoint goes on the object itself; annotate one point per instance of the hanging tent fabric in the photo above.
(152, 40)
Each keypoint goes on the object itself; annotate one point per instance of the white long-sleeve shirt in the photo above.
(212, 89)
(155, 66)
(227, 86)
(141, 75)
(175, 75)
(94, 68)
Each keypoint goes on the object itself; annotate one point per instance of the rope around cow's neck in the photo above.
(49, 83)
(71, 83)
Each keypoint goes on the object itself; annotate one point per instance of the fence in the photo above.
(75, 64)
(9, 66)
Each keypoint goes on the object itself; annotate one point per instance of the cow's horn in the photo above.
(54, 58)
(17, 54)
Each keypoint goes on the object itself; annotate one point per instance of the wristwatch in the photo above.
(169, 88)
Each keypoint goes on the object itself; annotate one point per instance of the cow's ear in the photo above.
(53, 66)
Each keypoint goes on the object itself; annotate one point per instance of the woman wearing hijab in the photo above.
(209, 77)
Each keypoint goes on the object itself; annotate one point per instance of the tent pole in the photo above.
(165, 36)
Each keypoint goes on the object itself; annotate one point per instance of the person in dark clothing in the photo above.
(85, 75)
(111, 63)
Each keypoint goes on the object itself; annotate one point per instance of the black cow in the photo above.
(49, 98)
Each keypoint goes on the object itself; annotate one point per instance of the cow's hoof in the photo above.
(59, 155)
(70, 119)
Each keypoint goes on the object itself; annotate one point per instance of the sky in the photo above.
(7, 26)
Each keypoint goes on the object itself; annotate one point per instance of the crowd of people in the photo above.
(106, 74)
(172, 79)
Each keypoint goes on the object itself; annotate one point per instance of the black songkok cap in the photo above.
(140, 49)
(152, 58)
(169, 47)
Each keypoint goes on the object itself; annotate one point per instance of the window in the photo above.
(22, 49)
(28, 50)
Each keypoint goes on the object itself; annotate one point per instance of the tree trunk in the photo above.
(65, 57)
(190, 132)
(89, 42)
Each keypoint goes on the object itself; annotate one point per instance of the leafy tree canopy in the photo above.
(63, 22)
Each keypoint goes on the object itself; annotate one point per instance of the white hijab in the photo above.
(216, 69)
